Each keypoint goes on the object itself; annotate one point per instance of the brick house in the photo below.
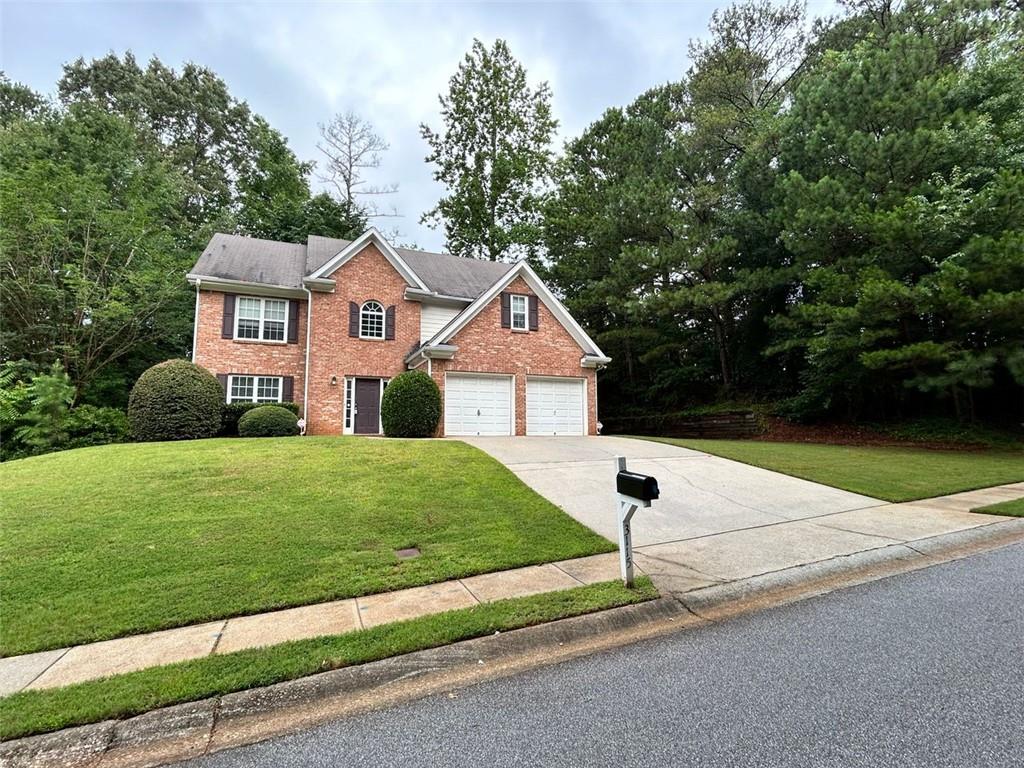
(327, 323)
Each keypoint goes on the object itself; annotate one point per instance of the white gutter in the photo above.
(305, 376)
(195, 322)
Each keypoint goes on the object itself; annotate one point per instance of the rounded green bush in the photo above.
(175, 400)
(411, 406)
(268, 421)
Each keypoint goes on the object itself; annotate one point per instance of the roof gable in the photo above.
(554, 306)
(369, 236)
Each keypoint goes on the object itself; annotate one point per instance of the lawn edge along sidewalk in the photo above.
(187, 730)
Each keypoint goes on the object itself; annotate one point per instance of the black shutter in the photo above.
(227, 326)
(506, 310)
(389, 323)
(293, 321)
(223, 379)
(288, 389)
(534, 320)
(353, 319)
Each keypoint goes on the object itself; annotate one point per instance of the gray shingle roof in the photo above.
(247, 259)
(251, 260)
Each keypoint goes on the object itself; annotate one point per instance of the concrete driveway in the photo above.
(719, 521)
(700, 494)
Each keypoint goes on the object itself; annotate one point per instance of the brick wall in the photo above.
(486, 347)
(219, 355)
(367, 275)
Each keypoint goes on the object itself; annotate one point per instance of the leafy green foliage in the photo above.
(268, 421)
(175, 400)
(234, 411)
(92, 425)
(492, 155)
(107, 196)
(36, 414)
(411, 406)
(832, 221)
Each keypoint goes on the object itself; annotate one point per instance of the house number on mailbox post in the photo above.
(633, 491)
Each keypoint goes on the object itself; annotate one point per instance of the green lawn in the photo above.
(130, 694)
(893, 474)
(121, 539)
(1013, 508)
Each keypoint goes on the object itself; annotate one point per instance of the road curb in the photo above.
(183, 731)
(188, 730)
(721, 601)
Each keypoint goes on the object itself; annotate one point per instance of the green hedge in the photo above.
(175, 400)
(234, 411)
(411, 406)
(268, 421)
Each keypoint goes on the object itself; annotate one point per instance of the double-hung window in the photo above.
(518, 312)
(254, 389)
(261, 319)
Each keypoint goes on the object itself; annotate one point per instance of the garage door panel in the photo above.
(555, 406)
(477, 405)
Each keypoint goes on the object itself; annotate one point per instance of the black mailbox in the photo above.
(637, 486)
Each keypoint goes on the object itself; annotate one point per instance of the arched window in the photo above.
(371, 320)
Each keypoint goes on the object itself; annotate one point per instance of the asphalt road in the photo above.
(924, 669)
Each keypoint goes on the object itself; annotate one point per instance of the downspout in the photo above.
(195, 322)
(305, 377)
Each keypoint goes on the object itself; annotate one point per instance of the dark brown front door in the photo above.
(367, 406)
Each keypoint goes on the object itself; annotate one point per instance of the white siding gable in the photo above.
(433, 318)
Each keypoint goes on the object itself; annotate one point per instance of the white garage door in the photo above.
(554, 406)
(477, 405)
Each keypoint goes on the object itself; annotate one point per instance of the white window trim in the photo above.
(383, 321)
(255, 388)
(525, 313)
(263, 316)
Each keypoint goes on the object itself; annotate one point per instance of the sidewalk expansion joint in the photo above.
(578, 581)
(220, 634)
(46, 668)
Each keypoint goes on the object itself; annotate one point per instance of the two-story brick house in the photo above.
(327, 323)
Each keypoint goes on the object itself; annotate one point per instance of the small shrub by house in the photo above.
(175, 400)
(268, 421)
(234, 411)
(411, 406)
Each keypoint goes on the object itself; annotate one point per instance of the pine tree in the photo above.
(493, 156)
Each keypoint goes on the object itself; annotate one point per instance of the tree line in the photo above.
(821, 213)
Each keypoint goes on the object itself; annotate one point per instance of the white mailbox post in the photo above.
(633, 491)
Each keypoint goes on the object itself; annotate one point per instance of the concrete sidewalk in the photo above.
(683, 568)
(689, 564)
(66, 666)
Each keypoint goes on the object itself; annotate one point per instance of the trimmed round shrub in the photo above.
(268, 421)
(234, 411)
(175, 400)
(411, 406)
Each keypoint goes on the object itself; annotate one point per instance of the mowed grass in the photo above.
(121, 539)
(893, 474)
(130, 694)
(1013, 508)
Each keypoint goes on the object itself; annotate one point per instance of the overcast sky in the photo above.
(299, 63)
